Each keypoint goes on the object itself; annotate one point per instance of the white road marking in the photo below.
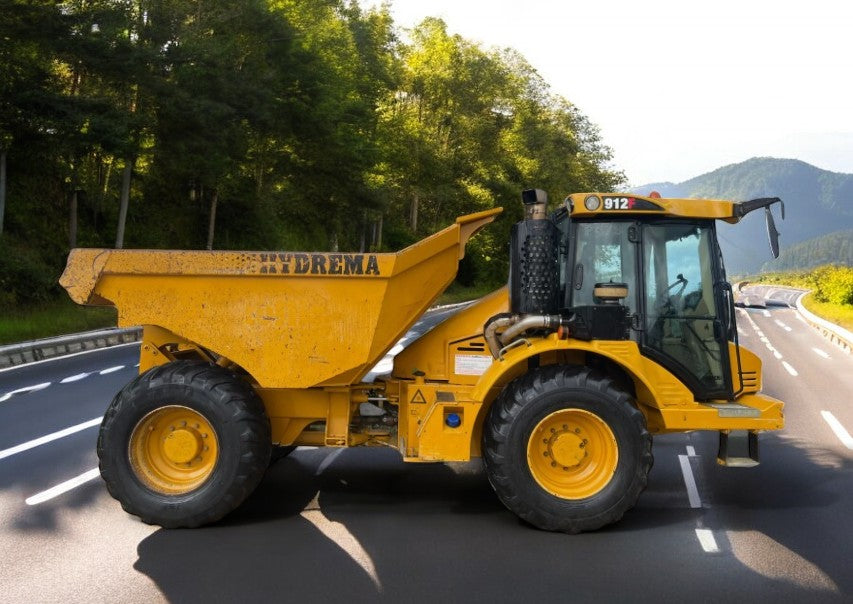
(707, 541)
(110, 369)
(74, 378)
(842, 434)
(766, 313)
(782, 325)
(328, 461)
(689, 482)
(25, 390)
(801, 318)
(42, 440)
(789, 369)
(820, 353)
(741, 331)
(691, 452)
(65, 356)
(63, 487)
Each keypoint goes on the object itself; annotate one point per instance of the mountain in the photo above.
(834, 248)
(817, 202)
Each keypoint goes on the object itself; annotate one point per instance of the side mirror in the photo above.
(772, 233)
(742, 208)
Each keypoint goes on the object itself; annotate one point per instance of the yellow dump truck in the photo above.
(617, 323)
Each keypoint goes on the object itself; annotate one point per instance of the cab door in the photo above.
(682, 326)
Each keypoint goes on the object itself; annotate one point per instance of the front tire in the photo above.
(184, 444)
(566, 449)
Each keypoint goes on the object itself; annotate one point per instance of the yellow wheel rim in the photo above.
(173, 450)
(572, 453)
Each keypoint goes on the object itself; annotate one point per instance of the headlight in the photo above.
(592, 203)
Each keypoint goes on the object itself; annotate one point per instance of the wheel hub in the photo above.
(572, 453)
(173, 450)
(182, 445)
(567, 449)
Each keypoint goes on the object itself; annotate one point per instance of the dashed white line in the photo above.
(689, 482)
(66, 356)
(25, 390)
(110, 369)
(766, 313)
(782, 325)
(74, 378)
(789, 369)
(63, 487)
(842, 434)
(707, 541)
(691, 452)
(37, 442)
(820, 353)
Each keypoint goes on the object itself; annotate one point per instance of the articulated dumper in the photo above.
(617, 323)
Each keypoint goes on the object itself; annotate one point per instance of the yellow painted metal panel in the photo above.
(435, 354)
(686, 208)
(291, 319)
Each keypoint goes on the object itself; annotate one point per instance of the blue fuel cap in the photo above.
(453, 420)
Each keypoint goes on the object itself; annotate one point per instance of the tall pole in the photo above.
(2, 186)
(211, 227)
(125, 200)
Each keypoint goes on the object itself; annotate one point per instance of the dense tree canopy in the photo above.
(264, 124)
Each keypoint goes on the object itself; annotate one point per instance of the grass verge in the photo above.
(840, 314)
(458, 293)
(53, 319)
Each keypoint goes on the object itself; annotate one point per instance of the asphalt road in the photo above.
(361, 525)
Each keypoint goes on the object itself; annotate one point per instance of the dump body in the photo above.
(290, 319)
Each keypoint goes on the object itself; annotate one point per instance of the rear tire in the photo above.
(566, 450)
(184, 444)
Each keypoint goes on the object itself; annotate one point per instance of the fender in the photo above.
(655, 386)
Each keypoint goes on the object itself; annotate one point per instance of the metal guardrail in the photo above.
(37, 350)
(835, 333)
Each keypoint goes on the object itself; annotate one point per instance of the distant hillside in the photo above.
(835, 248)
(817, 202)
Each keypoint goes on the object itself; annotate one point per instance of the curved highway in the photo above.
(360, 524)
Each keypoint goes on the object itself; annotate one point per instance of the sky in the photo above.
(680, 88)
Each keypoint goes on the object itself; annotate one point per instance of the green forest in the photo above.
(266, 125)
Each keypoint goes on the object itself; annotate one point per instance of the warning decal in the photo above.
(419, 397)
(472, 364)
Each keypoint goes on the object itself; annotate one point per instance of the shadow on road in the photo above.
(435, 533)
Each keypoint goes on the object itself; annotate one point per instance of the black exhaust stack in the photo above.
(534, 246)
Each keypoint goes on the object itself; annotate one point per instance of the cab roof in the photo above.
(588, 205)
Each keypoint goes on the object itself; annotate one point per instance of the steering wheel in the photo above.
(669, 303)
